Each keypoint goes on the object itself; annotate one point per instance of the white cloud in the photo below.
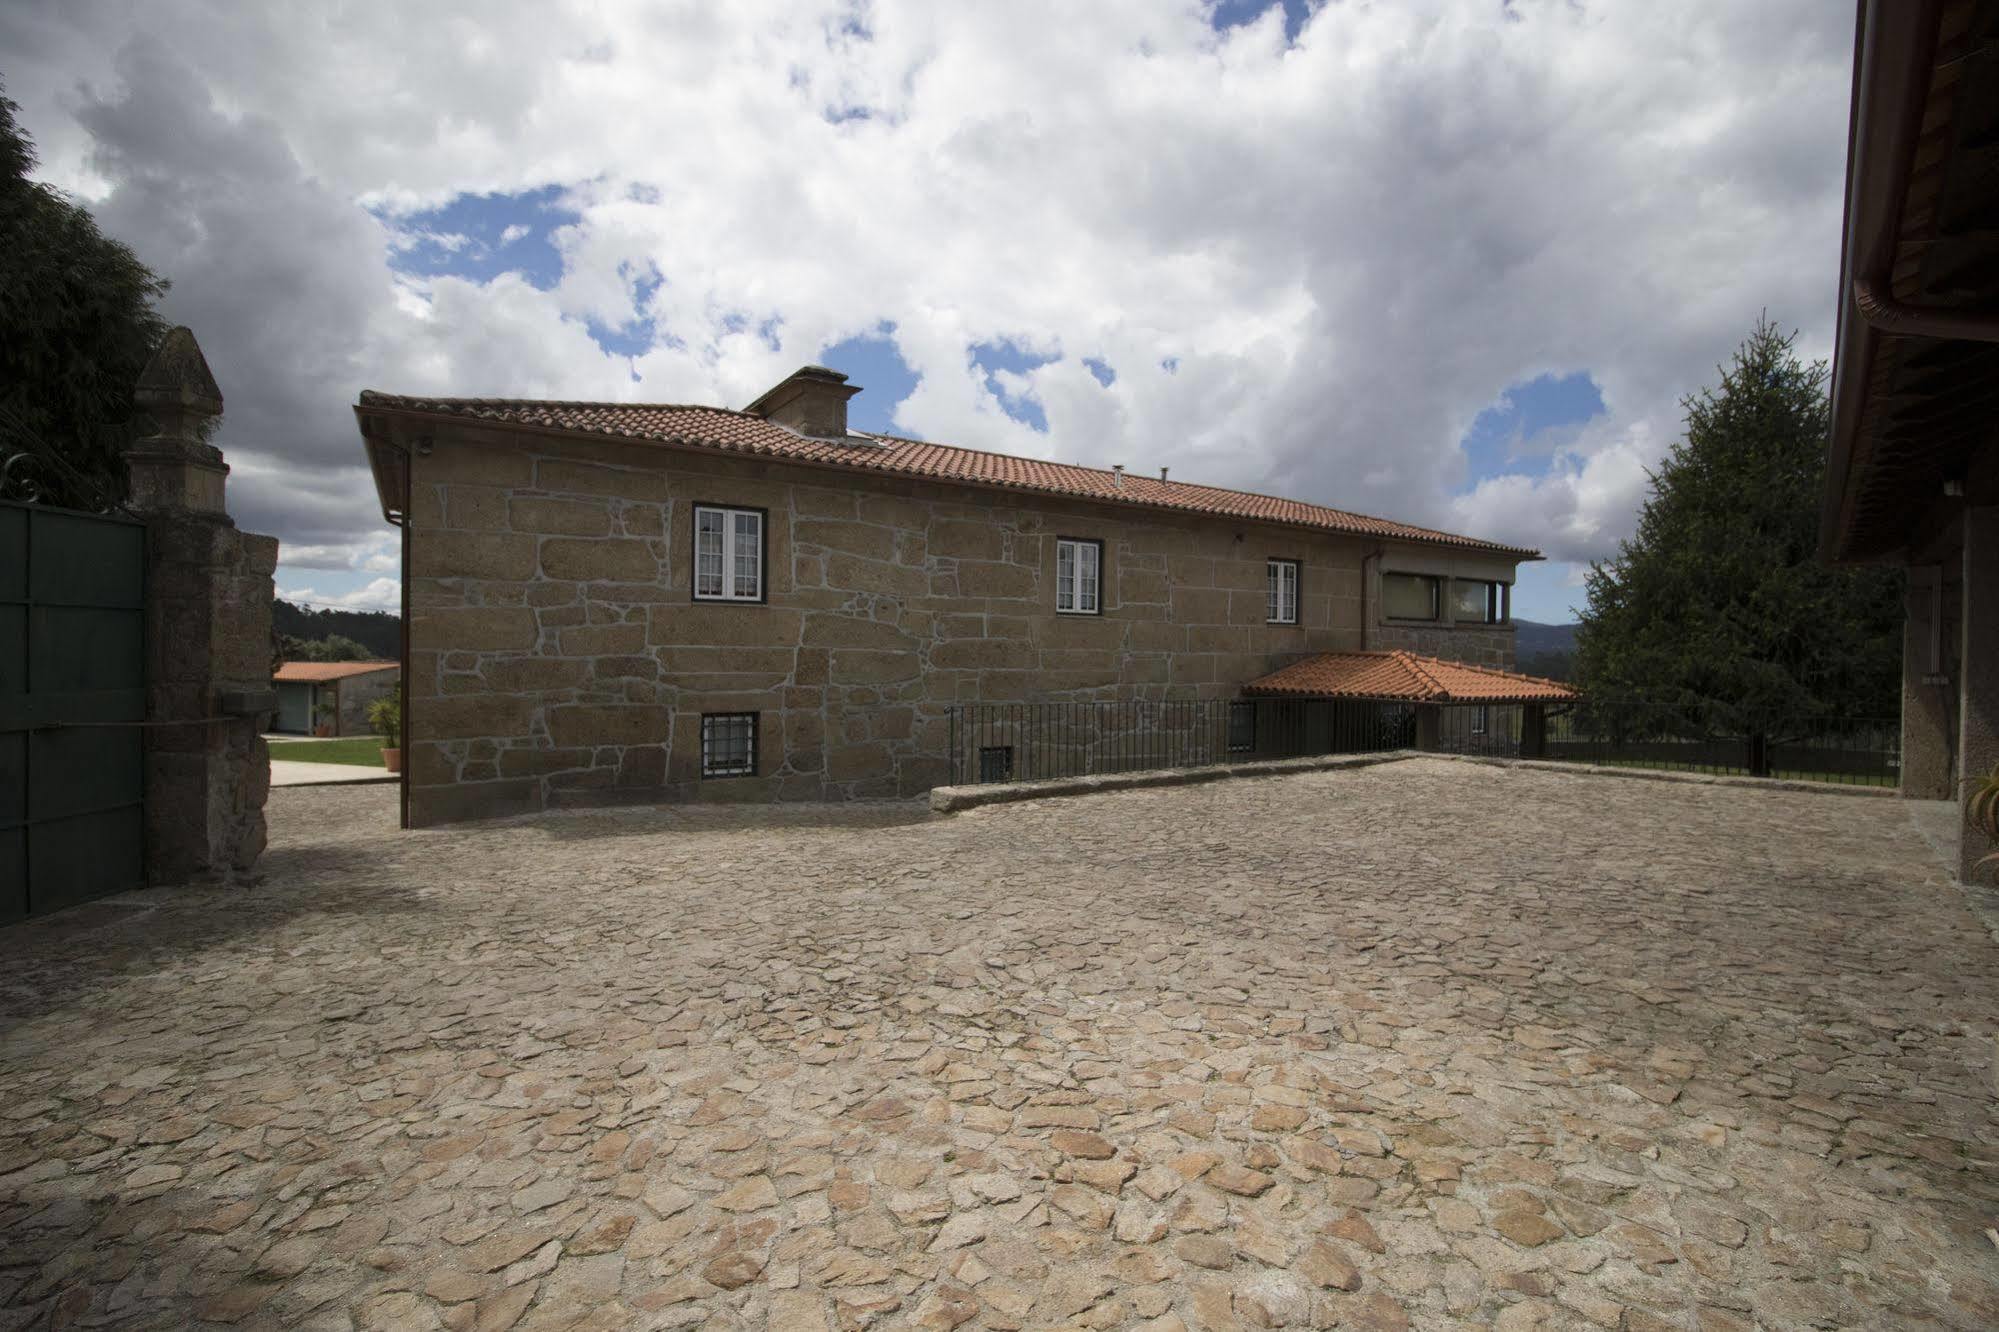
(382, 594)
(1349, 246)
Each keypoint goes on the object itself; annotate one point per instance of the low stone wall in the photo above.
(356, 693)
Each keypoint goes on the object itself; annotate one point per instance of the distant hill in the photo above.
(1533, 636)
(1546, 650)
(378, 631)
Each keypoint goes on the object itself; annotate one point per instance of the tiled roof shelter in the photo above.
(319, 672)
(1404, 677)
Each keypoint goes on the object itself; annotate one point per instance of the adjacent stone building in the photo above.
(627, 602)
(1912, 475)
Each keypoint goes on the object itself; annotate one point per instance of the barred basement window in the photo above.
(995, 763)
(1242, 727)
(728, 744)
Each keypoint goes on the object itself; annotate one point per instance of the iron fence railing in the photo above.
(1721, 740)
(1018, 742)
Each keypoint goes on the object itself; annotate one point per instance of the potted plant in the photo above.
(1983, 809)
(386, 716)
(325, 713)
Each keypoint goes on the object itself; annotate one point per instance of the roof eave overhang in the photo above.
(1894, 50)
(388, 461)
(384, 427)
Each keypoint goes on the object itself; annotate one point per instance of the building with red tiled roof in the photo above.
(330, 696)
(629, 601)
(1404, 677)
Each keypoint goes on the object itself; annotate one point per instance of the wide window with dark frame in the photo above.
(728, 554)
(1283, 592)
(728, 744)
(1408, 596)
(1079, 576)
(1475, 602)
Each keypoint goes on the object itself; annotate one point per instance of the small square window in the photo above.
(729, 744)
(995, 763)
(1282, 605)
(1079, 576)
(1242, 727)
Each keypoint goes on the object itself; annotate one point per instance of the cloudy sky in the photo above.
(1453, 263)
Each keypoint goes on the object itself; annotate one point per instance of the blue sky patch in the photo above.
(635, 337)
(1006, 355)
(1100, 370)
(1528, 423)
(873, 361)
(480, 236)
(1235, 13)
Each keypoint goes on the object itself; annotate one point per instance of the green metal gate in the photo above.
(72, 659)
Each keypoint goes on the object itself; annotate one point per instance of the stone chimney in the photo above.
(1117, 476)
(812, 401)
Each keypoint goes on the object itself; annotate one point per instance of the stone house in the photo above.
(628, 602)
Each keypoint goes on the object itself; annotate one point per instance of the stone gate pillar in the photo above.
(1928, 677)
(208, 633)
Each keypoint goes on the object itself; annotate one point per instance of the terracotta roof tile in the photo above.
(319, 672)
(741, 432)
(1404, 677)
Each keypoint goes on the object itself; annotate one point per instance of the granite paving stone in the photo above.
(1420, 1045)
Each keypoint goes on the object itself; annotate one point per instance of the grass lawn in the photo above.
(365, 750)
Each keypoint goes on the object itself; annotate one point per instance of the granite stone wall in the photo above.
(558, 657)
(356, 693)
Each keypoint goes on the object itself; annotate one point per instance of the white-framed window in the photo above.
(728, 744)
(728, 554)
(1408, 596)
(1481, 718)
(1474, 602)
(1079, 576)
(1283, 599)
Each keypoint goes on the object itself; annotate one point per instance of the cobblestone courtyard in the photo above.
(1426, 1045)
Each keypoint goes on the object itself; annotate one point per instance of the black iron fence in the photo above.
(1710, 738)
(1019, 742)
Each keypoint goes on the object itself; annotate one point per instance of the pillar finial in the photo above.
(174, 467)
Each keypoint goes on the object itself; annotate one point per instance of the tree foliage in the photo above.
(77, 324)
(335, 647)
(378, 631)
(1720, 600)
